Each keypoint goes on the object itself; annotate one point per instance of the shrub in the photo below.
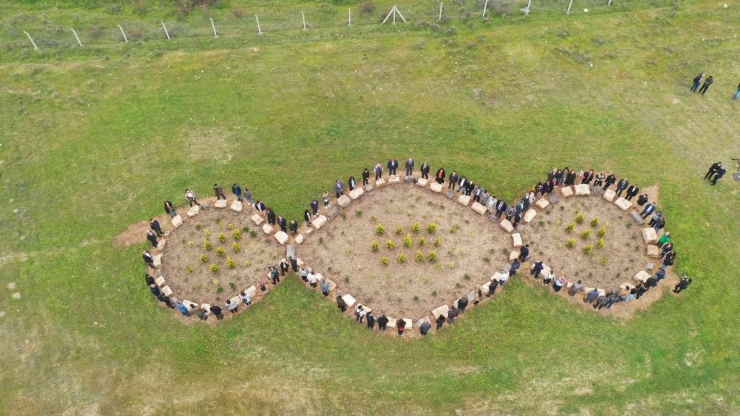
(230, 226)
(230, 263)
(374, 246)
(453, 230)
(207, 233)
(390, 244)
(432, 228)
(579, 219)
(236, 234)
(432, 256)
(586, 234)
(571, 243)
(189, 269)
(415, 227)
(253, 234)
(203, 258)
(588, 249)
(351, 240)
(214, 268)
(384, 261)
(419, 256)
(236, 247)
(399, 230)
(321, 240)
(422, 241)
(602, 232)
(604, 261)
(232, 285)
(220, 251)
(380, 230)
(416, 298)
(190, 244)
(407, 241)
(346, 279)
(372, 218)
(245, 229)
(467, 277)
(222, 237)
(358, 213)
(438, 242)
(402, 258)
(207, 245)
(595, 222)
(434, 293)
(219, 289)
(600, 244)
(247, 263)
(569, 229)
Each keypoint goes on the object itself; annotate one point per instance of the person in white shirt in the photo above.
(304, 274)
(503, 276)
(245, 298)
(312, 278)
(360, 313)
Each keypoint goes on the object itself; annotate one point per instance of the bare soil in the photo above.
(192, 279)
(466, 257)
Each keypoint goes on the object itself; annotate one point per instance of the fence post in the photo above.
(32, 42)
(165, 31)
(123, 33)
(440, 10)
(259, 29)
(304, 20)
(569, 5)
(76, 37)
(350, 18)
(529, 3)
(215, 34)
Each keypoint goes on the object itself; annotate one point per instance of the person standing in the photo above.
(462, 303)
(664, 239)
(610, 181)
(293, 227)
(425, 326)
(719, 174)
(392, 166)
(237, 190)
(524, 253)
(341, 304)
(737, 93)
(365, 177)
(537, 267)
(712, 170)
(307, 217)
(599, 179)
(170, 209)
(453, 180)
(283, 265)
(218, 191)
(440, 321)
(324, 287)
(697, 81)
(190, 196)
(232, 307)
(575, 288)
(293, 263)
(248, 196)
(246, 298)
(351, 183)
(707, 83)
(152, 238)
(283, 223)
(425, 170)
(314, 206)
(326, 199)
(270, 216)
(682, 285)
(500, 208)
(452, 314)
(649, 209)
(382, 322)
(148, 259)
(154, 225)
(632, 191)
(359, 313)
(492, 288)
(410, 167)
(370, 319)
(591, 295)
(183, 309)
(588, 177)
(622, 186)
(274, 275)
(338, 188)
(155, 290)
(400, 326)
(642, 199)
(378, 171)
(216, 310)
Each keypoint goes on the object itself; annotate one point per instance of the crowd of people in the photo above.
(701, 84)
(461, 184)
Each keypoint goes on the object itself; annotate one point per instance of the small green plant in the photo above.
(344, 217)
(586, 234)
(487, 259)
(432, 256)
(467, 277)
(588, 249)
(422, 242)
(220, 251)
(351, 240)
(207, 245)
(419, 256)
(230, 263)
(570, 243)
(415, 227)
(214, 268)
(222, 237)
(399, 230)
(235, 247)
(437, 242)
(236, 235)
(203, 258)
(548, 212)
(245, 229)
(432, 228)
(454, 229)
(189, 269)
(595, 222)
(346, 279)
(458, 285)
(216, 282)
(408, 241)
(230, 226)
(434, 293)
(219, 289)
(604, 261)
(358, 213)
(232, 286)
(253, 234)
(197, 227)
(600, 244)
(207, 233)
(416, 298)
(569, 229)
(629, 225)
(374, 246)
(372, 218)
(190, 244)
(321, 240)
(390, 244)
(602, 232)
(380, 230)
(579, 218)
(384, 261)
(401, 258)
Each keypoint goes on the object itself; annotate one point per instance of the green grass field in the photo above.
(93, 139)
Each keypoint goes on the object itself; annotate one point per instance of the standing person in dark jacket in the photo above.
(719, 174)
(642, 199)
(469, 187)
(400, 326)
(216, 310)
(365, 177)
(270, 216)
(622, 186)
(632, 191)
(293, 263)
(697, 81)
(152, 238)
(218, 191)
(282, 223)
(599, 179)
(351, 183)
(248, 196)
(452, 314)
(440, 175)
(170, 209)
(453, 180)
(440, 321)
(293, 227)
(314, 206)
(707, 83)
(370, 319)
(341, 304)
(378, 171)
(237, 190)
(425, 327)
(154, 225)
(570, 178)
(392, 166)
(148, 259)
(425, 170)
(500, 208)
(382, 322)
(588, 177)
(610, 181)
(410, 167)
(307, 217)
(682, 285)
(338, 188)
(712, 170)
(524, 253)
(462, 303)
(283, 267)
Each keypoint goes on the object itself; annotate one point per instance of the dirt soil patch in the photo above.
(191, 278)
(468, 246)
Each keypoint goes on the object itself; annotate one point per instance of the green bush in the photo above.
(236, 234)
(374, 246)
(214, 268)
(203, 258)
(390, 244)
(189, 269)
(602, 232)
(571, 243)
(569, 229)
(408, 241)
(384, 261)
(588, 249)
(236, 247)
(415, 227)
(399, 230)
(230, 263)
(432, 228)
(586, 234)
(579, 219)
(207, 233)
(422, 242)
(253, 234)
(600, 244)
(419, 256)
(402, 258)
(380, 230)
(595, 222)
(437, 242)
(432, 256)
(207, 245)
(220, 251)
(222, 237)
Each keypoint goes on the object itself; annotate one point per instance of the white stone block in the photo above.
(160, 281)
(349, 300)
(542, 203)
(237, 206)
(463, 200)
(529, 215)
(436, 187)
(343, 201)
(267, 228)
(642, 276)
(394, 179)
(649, 235)
(167, 291)
(176, 221)
(545, 271)
(319, 221)
(652, 251)
(161, 245)
(506, 225)
(281, 237)
(442, 310)
(623, 204)
(422, 182)
(485, 288)
(157, 260)
(299, 239)
(582, 190)
(516, 240)
(220, 203)
(193, 211)
(391, 322)
(206, 307)
(257, 219)
(602, 292)
(409, 324)
(380, 182)
(356, 193)
(479, 208)
(514, 254)
(190, 305)
(609, 195)
(332, 285)
(566, 191)
(236, 300)
(251, 290)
